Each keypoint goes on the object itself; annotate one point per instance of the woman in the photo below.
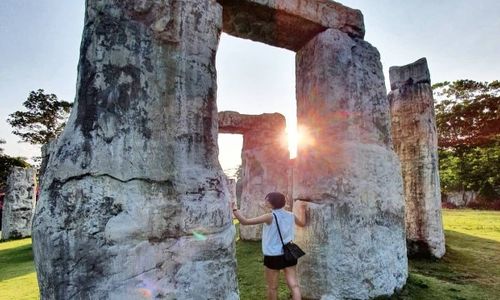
(272, 247)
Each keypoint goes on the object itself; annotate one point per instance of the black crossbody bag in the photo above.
(291, 250)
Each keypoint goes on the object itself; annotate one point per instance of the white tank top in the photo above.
(271, 243)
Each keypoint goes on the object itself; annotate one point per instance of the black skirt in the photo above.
(278, 262)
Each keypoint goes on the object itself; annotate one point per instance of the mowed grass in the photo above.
(469, 270)
(17, 271)
(471, 267)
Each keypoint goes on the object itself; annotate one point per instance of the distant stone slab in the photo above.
(415, 141)
(19, 203)
(265, 161)
(288, 24)
(459, 198)
(234, 122)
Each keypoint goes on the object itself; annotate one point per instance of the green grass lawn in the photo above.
(17, 271)
(469, 270)
(471, 267)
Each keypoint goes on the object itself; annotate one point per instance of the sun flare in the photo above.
(295, 137)
(298, 136)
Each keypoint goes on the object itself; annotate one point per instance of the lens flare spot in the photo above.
(199, 236)
(145, 293)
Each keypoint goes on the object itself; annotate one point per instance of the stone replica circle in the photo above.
(19, 203)
(133, 196)
(265, 161)
(415, 141)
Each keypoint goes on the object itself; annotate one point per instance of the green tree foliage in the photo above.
(477, 169)
(6, 163)
(44, 119)
(468, 114)
(468, 122)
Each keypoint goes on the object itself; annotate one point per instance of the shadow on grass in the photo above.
(469, 270)
(16, 262)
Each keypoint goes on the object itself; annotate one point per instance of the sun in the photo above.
(294, 138)
(298, 137)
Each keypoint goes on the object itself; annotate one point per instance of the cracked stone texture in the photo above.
(288, 24)
(415, 141)
(19, 203)
(348, 171)
(265, 162)
(133, 200)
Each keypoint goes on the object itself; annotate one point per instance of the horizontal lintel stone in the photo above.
(236, 123)
(288, 24)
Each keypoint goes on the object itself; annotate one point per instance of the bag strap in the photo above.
(279, 231)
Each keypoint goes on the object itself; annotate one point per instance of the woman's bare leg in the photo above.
(293, 282)
(272, 277)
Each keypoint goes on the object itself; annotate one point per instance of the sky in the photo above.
(40, 42)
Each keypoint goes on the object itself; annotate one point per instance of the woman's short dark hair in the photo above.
(276, 199)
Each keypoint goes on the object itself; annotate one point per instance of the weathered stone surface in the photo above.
(133, 201)
(415, 141)
(19, 203)
(47, 150)
(288, 24)
(265, 160)
(355, 239)
(414, 73)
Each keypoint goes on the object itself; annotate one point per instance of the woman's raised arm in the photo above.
(267, 218)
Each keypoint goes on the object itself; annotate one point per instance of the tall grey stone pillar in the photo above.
(265, 162)
(355, 237)
(134, 203)
(415, 141)
(19, 203)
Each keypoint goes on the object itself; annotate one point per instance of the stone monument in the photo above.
(415, 141)
(19, 203)
(265, 162)
(348, 171)
(133, 200)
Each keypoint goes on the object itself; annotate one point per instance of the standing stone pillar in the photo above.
(47, 150)
(19, 203)
(231, 187)
(134, 203)
(265, 162)
(348, 171)
(415, 141)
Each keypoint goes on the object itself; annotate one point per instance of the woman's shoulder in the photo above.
(285, 212)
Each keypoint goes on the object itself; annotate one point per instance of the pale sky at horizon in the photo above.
(40, 42)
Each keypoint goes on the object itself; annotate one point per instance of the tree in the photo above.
(44, 119)
(1, 149)
(468, 114)
(468, 123)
